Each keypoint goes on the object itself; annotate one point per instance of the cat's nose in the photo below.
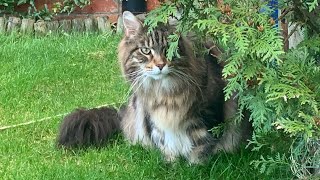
(160, 66)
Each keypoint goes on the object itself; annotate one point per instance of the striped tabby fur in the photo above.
(173, 103)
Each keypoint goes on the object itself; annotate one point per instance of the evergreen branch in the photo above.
(292, 31)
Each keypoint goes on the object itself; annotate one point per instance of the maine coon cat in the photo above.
(173, 103)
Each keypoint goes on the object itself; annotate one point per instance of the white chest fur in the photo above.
(172, 143)
(169, 132)
(168, 113)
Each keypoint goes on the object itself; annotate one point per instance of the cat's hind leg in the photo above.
(234, 133)
(203, 144)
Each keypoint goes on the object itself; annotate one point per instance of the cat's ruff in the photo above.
(173, 103)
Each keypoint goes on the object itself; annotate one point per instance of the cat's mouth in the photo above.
(157, 74)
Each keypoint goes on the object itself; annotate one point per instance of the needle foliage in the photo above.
(281, 88)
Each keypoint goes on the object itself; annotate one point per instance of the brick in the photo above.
(3, 24)
(14, 24)
(40, 28)
(110, 8)
(27, 26)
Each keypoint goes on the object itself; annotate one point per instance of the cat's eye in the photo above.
(145, 50)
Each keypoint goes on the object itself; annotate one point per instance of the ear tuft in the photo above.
(132, 25)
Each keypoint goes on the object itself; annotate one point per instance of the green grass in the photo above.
(43, 77)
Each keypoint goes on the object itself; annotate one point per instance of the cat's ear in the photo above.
(132, 25)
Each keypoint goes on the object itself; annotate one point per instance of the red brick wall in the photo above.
(110, 8)
(151, 4)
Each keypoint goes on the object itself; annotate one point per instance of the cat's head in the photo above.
(142, 55)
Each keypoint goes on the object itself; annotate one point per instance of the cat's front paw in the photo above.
(170, 158)
(196, 157)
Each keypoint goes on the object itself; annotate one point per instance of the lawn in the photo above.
(44, 78)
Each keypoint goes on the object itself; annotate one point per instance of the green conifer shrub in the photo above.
(280, 87)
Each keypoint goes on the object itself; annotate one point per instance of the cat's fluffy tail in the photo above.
(88, 127)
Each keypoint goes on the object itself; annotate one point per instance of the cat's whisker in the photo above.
(136, 84)
(190, 78)
(182, 78)
(132, 75)
(185, 80)
(185, 77)
(143, 79)
(133, 84)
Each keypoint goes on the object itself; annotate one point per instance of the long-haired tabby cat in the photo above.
(173, 103)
